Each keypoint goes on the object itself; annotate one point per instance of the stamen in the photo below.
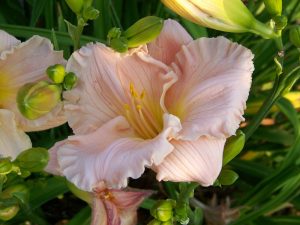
(138, 115)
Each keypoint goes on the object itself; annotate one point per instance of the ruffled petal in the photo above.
(113, 154)
(214, 82)
(99, 96)
(109, 81)
(25, 63)
(199, 161)
(169, 42)
(12, 140)
(53, 165)
(7, 41)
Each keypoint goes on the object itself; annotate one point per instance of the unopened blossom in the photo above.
(168, 106)
(224, 15)
(22, 63)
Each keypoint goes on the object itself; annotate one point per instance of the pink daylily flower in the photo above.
(168, 106)
(22, 63)
(116, 207)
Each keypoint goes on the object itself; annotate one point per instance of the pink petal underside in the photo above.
(199, 161)
(112, 154)
(99, 214)
(26, 63)
(7, 41)
(12, 140)
(169, 42)
(129, 198)
(214, 82)
(53, 165)
(104, 84)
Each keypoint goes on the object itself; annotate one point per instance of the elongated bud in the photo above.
(233, 147)
(295, 36)
(33, 160)
(37, 99)
(229, 16)
(274, 7)
(163, 210)
(227, 177)
(143, 31)
(7, 213)
(70, 81)
(75, 5)
(56, 73)
(6, 166)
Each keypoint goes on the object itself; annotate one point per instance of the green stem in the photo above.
(263, 30)
(77, 38)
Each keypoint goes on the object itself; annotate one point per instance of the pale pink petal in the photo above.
(25, 63)
(53, 166)
(199, 161)
(112, 154)
(7, 41)
(99, 214)
(214, 81)
(12, 140)
(99, 96)
(169, 42)
(129, 199)
(106, 83)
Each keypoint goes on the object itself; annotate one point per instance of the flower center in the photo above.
(143, 116)
(6, 92)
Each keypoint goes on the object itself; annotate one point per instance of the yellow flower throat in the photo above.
(144, 117)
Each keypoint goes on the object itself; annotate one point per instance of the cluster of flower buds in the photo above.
(142, 32)
(38, 99)
(13, 196)
(84, 8)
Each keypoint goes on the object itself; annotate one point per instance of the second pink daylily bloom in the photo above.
(168, 106)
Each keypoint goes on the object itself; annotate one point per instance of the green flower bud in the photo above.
(33, 160)
(295, 36)
(227, 177)
(119, 44)
(274, 7)
(143, 31)
(280, 22)
(233, 147)
(154, 222)
(37, 99)
(75, 5)
(56, 73)
(163, 210)
(19, 191)
(90, 13)
(6, 166)
(113, 33)
(7, 213)
(70, 81)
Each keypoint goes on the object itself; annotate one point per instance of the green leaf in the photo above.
(82, 218)
(37, 9)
